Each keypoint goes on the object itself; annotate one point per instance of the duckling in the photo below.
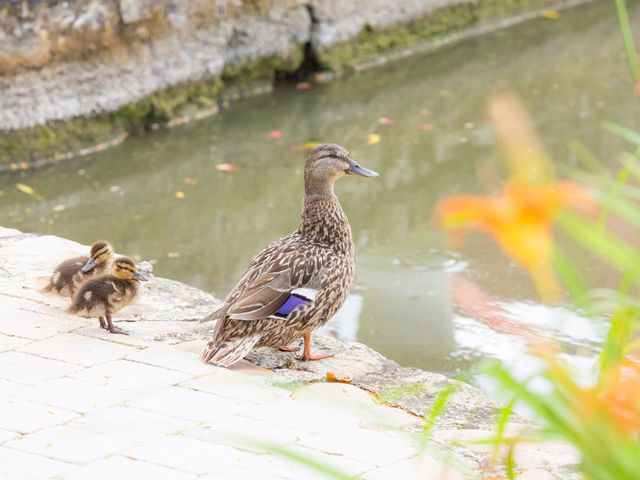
(106, 294)
(263, 309)
(71, 273)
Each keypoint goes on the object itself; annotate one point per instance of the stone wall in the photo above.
(129, 64)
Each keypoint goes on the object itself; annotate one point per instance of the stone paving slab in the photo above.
(131, 376)
(70, 444)
(78, 349)
(16, 464)
(123, 467)
(27, 369)
(11, 342)
(195, 456)
(75, 395)
(24, 416)
(78, 403)
(132, 423)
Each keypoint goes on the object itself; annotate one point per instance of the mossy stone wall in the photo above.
(257, 42)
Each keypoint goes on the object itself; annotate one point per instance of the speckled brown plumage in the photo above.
(105, 295)
(319, 255)
(67, 276)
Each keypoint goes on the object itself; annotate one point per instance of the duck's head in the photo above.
(101, 252)
(328, 162)
(125, 269)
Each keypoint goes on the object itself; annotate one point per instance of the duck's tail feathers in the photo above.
(227, 352)
(73, 309)
(216, 314)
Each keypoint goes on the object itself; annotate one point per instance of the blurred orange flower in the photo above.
(520, 220)
(616, 398)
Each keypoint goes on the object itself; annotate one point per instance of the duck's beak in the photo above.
(355, 169)
(140, 276)
(88, 266)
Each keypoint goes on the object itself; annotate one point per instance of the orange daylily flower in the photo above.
(520, 220)
(616, 398)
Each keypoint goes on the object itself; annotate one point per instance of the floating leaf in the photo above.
(59, 208)
(303, 86)
(373, 138)
(226, 167)
(551, 15)
(385, 121)
(190, 181)
(25, 189)
(304, 147)
(23, 165)
(179, 194)
(332, 378)
(173, 254)
(424, 127)
(275, 134)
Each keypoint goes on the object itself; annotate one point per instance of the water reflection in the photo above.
(570, 74)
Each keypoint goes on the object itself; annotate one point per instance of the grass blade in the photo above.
(627, 39)
(310, 463)
(572, 279)
(622, 132)
(616, 252)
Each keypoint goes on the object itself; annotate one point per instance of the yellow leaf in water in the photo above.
(373, 138)
(180, 195)
(332, 378)
(550, 15)
(305, 147)
(25, 189)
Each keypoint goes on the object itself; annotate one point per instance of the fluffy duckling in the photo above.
(104, 295)
(71, 273)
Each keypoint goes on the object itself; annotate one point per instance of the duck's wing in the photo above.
(271, 277)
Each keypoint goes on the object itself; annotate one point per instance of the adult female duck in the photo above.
(263, 309)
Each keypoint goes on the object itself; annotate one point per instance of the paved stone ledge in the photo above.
(77, 403)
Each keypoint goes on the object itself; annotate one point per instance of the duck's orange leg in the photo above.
(307, 355)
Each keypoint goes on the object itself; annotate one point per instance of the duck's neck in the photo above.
(323, 221)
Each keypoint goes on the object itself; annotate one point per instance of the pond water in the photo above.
(571, 75)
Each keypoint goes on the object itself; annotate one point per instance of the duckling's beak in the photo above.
(88, 266)
(355, 169)
(140, 276)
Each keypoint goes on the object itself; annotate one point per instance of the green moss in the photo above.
(291, 385)
(493, 9)
(67, 136)
(181, 100)
(264, 68)
(186, 99)
(394, 395)
(371, 44)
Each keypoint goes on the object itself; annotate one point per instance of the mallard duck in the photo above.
(71, 273)
(264, 309)
(104, 295)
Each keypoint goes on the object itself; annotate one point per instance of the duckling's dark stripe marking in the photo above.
(101, 252)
